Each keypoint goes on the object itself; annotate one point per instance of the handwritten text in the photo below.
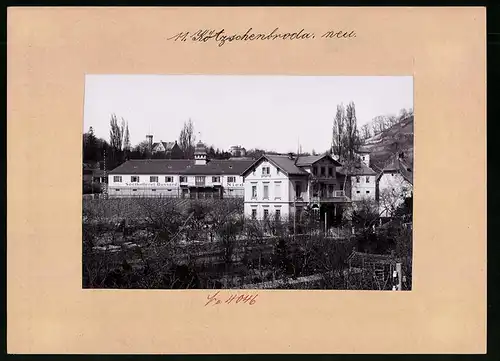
(217, 299)
(221, 37)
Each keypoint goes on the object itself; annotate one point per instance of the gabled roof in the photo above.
(308, 160)
(363, 150)
(167, 145)
(182, 166)
(283, 162)
(358, 169)
(397, 165)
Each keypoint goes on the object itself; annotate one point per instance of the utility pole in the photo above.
(397, 278)
(294, 216)
(105, 189)
(326, 228)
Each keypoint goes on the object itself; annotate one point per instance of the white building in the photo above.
(280, 185)
(198, 178)
(362, 183)
(394, 185)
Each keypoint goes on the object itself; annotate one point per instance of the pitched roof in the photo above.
(167, 145)
(307, 160)
(283, 162)
(181, 166)
(358, 169)
(397, 165)
(363, 149)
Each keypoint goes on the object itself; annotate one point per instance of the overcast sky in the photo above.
(269, 112)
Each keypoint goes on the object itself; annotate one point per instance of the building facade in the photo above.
(394, 185)
(179, 178)
(283, 185)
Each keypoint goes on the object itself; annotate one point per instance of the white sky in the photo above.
(269, 112)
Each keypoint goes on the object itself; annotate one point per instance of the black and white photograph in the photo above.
(247, 182)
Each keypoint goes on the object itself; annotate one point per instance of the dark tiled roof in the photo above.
(167, 145)
(307, 160)
(363, 149)
(283, 162)
(358, 169)
(182, 166)
(397, 165)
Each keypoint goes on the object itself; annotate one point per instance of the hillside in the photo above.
(394, 140)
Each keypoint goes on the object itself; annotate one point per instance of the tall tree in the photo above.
(187, 139)
(338, 131)
(90, 147)
(115, 134)
(351, 128)
(126, 140)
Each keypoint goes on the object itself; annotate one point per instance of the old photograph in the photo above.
(247, 182)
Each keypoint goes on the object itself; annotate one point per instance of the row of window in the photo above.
(358, 179)
(266, 213)
(169, 179)
(277, 191)
(322, 171)
(367, 192)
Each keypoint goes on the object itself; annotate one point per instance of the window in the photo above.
(254, 213)
(323, 171)
(266, 170)
(266, 191)
(278, 213)
(117, 179)
(231, 179)
(358, 179)
(367, 192)
(183, 179)
(363, 157)
(254, 191)
(367, 179)
(330, 171)
(266, 213)
(315, 170)
(134, 190)
(277, 190)
(330, 188)
(153, 179)
(358, 192)
(153, 190)
(199, 180)
(169, 179)
(117, 190)
(134, 179)
(298, 190)
(215, 179)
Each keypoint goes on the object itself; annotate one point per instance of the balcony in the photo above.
(330, 197)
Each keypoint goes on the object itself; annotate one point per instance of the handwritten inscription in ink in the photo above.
(222, 37)
(243, 298)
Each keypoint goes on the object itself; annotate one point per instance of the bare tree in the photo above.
(187, 139)
(366, 131)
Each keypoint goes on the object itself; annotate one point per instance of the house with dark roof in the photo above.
(394, 185)
(361, 181)
(189, 178)
(168, 149)
(280, 185)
